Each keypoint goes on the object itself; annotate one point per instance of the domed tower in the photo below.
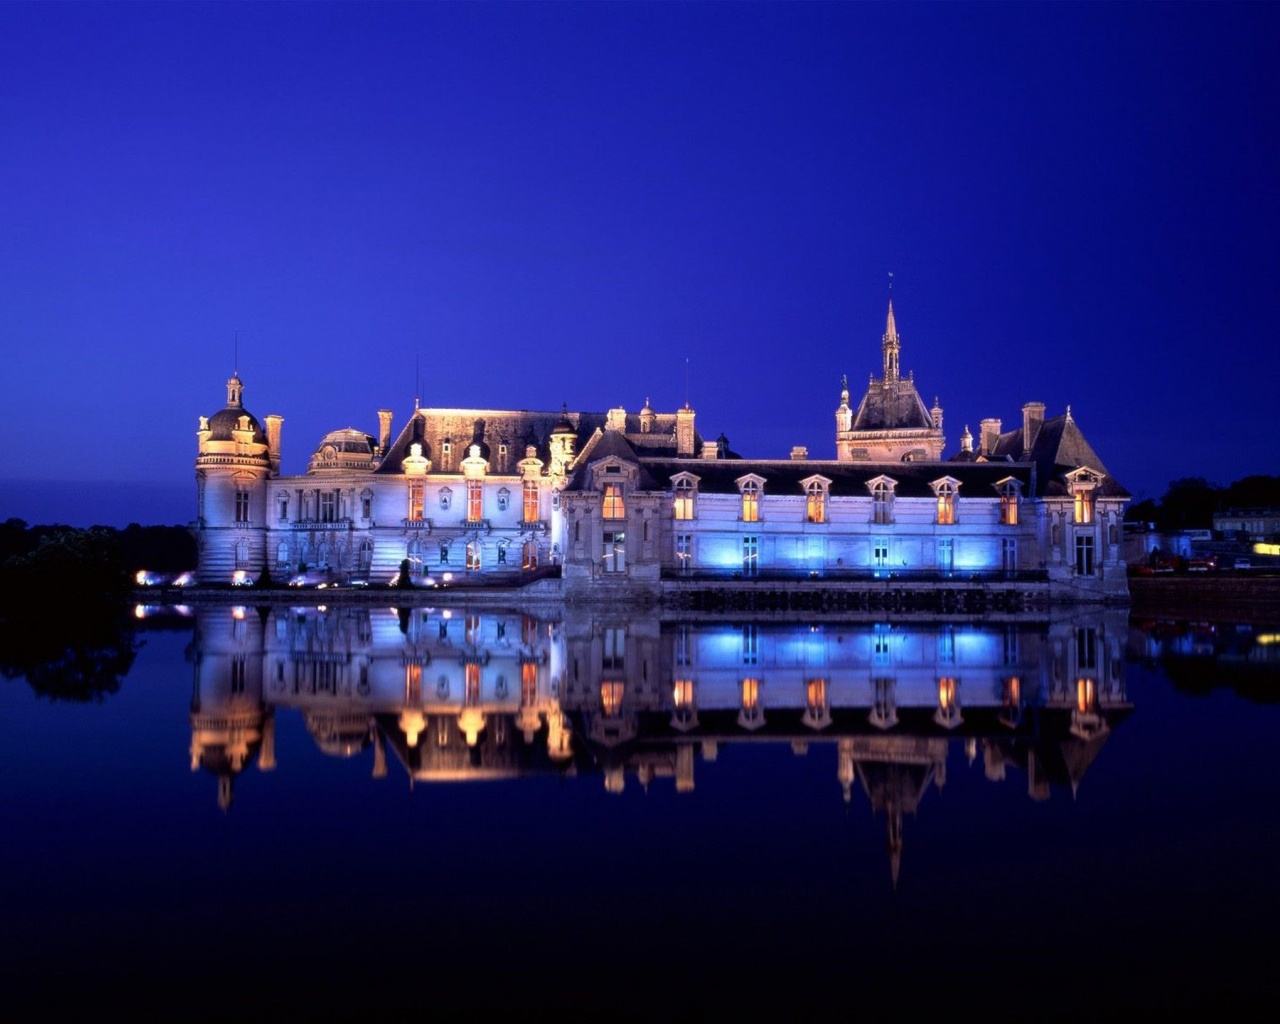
(235, 459)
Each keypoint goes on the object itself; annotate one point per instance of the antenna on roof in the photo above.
(235, 361)
(686, 382)
(417, 380)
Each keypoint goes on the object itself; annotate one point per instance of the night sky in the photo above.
(491, 205)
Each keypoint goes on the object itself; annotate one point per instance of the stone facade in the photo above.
(630, 504)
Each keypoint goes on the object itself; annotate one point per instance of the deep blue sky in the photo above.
(591, 203)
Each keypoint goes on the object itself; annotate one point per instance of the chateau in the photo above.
(643, 505)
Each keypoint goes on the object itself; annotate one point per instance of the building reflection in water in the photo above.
(457, 694)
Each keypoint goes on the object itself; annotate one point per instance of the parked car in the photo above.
(1243, 563)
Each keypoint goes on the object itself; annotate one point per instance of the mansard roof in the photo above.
(518, 429)
(1059, 447)
(606, 444)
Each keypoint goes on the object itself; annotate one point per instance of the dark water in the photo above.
(347, 812)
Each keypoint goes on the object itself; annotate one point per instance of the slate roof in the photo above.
(1059, 448)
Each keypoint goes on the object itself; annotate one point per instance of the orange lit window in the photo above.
(751, 502)
(816, 503)
(946, 505)
(413, 683)
(684, 499)
(1084, 507)
(683, 693)
(1086, 695)
(1012, 692)
(415, 501)
(816, 694)
(1009, 506)
(528, 682)
(531, 501)
(471, 694)
(750, 694)
(611, 697)
(475, 501)
(613, 504)
(946, 693)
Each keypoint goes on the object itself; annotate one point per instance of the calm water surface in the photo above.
(347, 811)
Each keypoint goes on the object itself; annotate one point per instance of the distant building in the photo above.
(639, 503)
(1254, 524)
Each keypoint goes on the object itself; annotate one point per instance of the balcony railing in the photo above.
(842, 574)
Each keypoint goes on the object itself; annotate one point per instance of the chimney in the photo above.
(1032, 419)
(711, 449)
(799, 453)
(617, 419)
(384, 430)
(989, 432)
(273, 442)
(684, 431)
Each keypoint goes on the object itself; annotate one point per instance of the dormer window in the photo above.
(686, 493)
(752, 490)
(815, 491)
(613, 506)
(881, 499)
(1009, 495)
(946, 491)
(1082, 482)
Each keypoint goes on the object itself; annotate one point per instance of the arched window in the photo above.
(815, 502)
(946, 492)
(882, 502)
(751, 502)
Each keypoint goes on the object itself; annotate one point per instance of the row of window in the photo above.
(816, 497)
(530, 508)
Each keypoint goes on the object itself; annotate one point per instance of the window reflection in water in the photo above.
(640, 698)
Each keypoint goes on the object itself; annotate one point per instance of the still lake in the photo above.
(345, 810)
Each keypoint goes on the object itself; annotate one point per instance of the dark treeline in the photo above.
(65, 624)
(1190, 503)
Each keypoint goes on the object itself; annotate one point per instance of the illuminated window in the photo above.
(751, 502)
(611, 692)
(682, 693)
(528, 682)
(751, 695)
(1086, 695)
(242, 505)
(1084, 507)
(415, 502)
(613, 507)
(750, 556)
(471, 684)
(475, 501)
(1009, 504)
(815, 502)
(531, 510)
(615, 551)
(1084, 555)
(413, 683)
(946, 493)
(816, 696)
(684, 498)
(473, 556)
